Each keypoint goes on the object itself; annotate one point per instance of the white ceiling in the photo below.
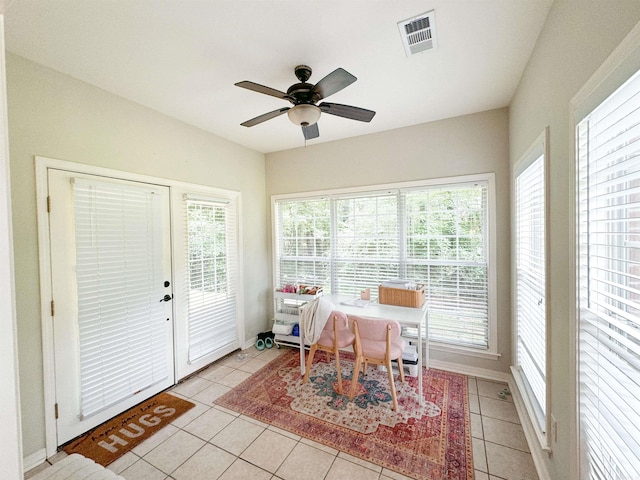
(182, 57)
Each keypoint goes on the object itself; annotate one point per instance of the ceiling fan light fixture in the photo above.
(304, 114)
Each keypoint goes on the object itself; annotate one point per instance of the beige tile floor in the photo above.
(210, 442)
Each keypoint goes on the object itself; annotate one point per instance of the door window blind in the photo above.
(119, 274)
(608, 149)
(211, 276)
(432, 235)
(530, 284)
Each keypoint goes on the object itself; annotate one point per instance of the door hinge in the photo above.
(56, 409)
(53, 308)
(49, 204)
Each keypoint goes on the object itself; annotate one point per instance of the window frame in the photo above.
(491, 254)
(224, 310)
(181, 193)
(620, 66)
(540, 147)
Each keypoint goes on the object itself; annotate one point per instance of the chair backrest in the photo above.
(341, 323)
(374, 328)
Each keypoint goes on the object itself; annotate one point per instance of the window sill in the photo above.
(532, 426)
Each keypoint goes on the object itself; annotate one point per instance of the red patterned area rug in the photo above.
(430, 441)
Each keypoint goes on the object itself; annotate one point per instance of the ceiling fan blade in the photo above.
(332, 83)
(311, 132)
(347, 111)
(264, 117)
(256, 87)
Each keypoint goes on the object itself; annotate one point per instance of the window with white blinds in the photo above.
(303, 232)
(366, 249)
(608, 150)
(446, 249)
(210, 275)
(433, 234)
(530, 285)
(121, 322)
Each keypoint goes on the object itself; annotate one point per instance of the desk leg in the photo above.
(302, 362)
(301, 340)
(420, 364)
(426, 339)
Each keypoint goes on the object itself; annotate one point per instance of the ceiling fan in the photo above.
(304, 97)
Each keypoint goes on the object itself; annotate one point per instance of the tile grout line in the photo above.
(484, 443)
(299, 440)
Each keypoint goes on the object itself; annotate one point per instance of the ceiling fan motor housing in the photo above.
(303, 73)
(301, 93)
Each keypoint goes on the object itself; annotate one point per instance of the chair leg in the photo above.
(401, 368)
(354, 379)
(392, 386)
(340, 391)
(307, 369)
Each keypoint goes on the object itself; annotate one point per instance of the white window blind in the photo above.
(211, 276)
(121, 321)
(531, 284)
(366, 250)
(446, 246)
(432, 235)
(608, 149)
(303, 231)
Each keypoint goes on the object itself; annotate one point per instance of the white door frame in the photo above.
(42, 164)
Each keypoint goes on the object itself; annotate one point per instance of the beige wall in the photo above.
(575, 40)
(55, 116)
(464, 145)
(11, 454)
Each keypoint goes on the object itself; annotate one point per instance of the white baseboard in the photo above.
(34, 460)
(537, 454)
(471, 371)
(250, 343)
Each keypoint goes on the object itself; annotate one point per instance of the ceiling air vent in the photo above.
(418, 33)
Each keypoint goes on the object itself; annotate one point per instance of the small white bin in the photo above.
(410, 370)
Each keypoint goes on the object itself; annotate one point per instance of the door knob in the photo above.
(166, 298)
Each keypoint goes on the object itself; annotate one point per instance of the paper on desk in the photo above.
(356, 302)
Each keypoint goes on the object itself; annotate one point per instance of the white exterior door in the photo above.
(112, 296)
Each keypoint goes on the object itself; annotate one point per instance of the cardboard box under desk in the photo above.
(401, 297)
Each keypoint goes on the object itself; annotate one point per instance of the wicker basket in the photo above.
(401, 297)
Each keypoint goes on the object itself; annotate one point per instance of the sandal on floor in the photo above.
(268, 342)
(260, 344)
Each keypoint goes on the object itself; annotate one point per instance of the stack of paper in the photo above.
(356, 302)
(410, 353)
(405, 284)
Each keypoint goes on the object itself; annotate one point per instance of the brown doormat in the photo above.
(114, 438)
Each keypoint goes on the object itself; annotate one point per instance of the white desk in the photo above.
(405, 316)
